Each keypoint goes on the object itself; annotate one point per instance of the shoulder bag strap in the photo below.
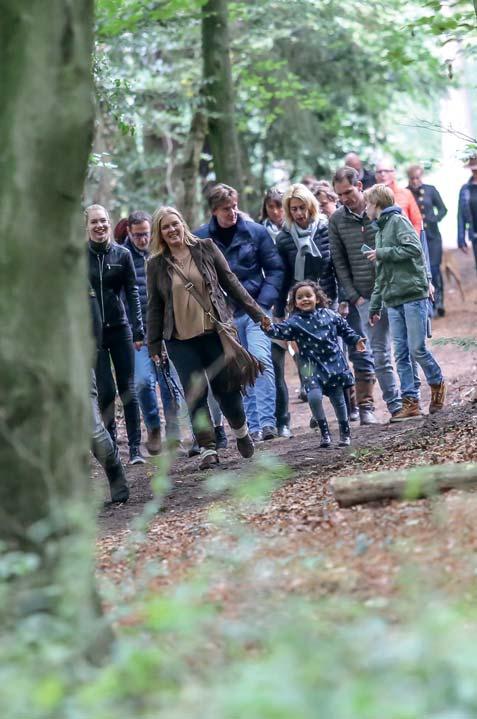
(189, 286)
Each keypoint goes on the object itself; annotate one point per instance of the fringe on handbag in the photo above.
(241, 368)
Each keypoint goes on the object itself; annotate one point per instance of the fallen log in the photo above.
(405, 484)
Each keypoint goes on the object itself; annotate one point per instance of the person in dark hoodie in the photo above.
(467, 211)
(402, 286)
(272, 217)
(433, 210)
(102, 446)
(111, 270)
(253, 258)
(146, 376)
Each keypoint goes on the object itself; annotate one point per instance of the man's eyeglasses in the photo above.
(140, 235)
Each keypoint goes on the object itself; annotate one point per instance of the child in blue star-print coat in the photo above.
(315, 329)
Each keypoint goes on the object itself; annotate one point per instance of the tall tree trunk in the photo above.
(219, 92)
(46, 127)
(187, 193)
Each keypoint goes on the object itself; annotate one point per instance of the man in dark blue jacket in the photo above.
(145, 375)
(253, 257)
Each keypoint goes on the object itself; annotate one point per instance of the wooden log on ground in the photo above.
(406, 484)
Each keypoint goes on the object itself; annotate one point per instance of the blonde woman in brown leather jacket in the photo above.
(190, 335)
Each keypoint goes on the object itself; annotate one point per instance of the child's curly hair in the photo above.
(321, 298)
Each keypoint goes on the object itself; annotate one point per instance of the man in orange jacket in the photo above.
(386, 174)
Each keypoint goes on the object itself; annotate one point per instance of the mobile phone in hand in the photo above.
(366, 248)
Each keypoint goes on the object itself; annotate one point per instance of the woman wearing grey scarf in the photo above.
(303, 245)
(272, 217)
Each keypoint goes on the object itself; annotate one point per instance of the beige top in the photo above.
(190, 319)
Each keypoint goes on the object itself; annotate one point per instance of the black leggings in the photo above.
(118, 347)
(195, 360)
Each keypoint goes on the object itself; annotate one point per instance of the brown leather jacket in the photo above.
(219, 280)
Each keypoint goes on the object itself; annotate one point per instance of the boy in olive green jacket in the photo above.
(402, 287)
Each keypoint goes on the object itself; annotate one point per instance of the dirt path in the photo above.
(302, 515)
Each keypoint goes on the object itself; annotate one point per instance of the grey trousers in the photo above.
(106, 451)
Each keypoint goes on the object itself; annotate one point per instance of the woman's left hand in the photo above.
(361, 345)
(265, 322)
(138, 345)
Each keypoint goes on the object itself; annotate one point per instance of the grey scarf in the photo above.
(272, 229)
(305, 245)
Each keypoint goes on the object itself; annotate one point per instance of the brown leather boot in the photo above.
(409, 410)
(438, 397)
(364, 398)
(153, 443)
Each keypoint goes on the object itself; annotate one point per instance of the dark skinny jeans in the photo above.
(118, 348)
(337, 399)
(282, 414)
(195, 360)
(106, 452)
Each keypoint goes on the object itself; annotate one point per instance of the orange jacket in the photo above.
(405, 199)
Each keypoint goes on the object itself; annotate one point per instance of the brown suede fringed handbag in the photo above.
(241, 367)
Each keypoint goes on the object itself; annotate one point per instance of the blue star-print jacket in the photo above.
(322, 362)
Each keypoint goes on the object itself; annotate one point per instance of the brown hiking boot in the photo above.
(153, 444)
(410, 410)
(438, 397)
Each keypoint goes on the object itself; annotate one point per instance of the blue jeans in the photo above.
(260, 400)
(408, 328)
(145, 378)
(379, 341)
(363, 362)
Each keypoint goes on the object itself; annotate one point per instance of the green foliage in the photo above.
(263, 652)
(313, 80)
(465, 343)
(115, 18)
(182, 653)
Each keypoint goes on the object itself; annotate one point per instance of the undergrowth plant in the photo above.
(233, 640)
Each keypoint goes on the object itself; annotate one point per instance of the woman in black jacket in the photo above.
(111, 270)
(304, 246)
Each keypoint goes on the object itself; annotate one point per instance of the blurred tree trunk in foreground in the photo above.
(46, 126)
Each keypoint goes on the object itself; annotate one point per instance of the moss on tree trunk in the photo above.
(46, 507)
(219, 92)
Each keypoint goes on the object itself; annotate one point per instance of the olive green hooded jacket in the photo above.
(401, 274)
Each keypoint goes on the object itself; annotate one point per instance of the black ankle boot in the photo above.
(220, 438)
(325, 434)
(345, 434)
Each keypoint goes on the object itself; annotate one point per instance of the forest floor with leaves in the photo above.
(299, 540)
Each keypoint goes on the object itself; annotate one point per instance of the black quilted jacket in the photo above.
(319, 269)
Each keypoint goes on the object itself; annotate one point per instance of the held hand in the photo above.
(371, 256)
(374, 318)
(156, 359)
(343, 309)
(265, 322)
(361, 345)
(360, 301)
(432, 291)
(138, 345)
